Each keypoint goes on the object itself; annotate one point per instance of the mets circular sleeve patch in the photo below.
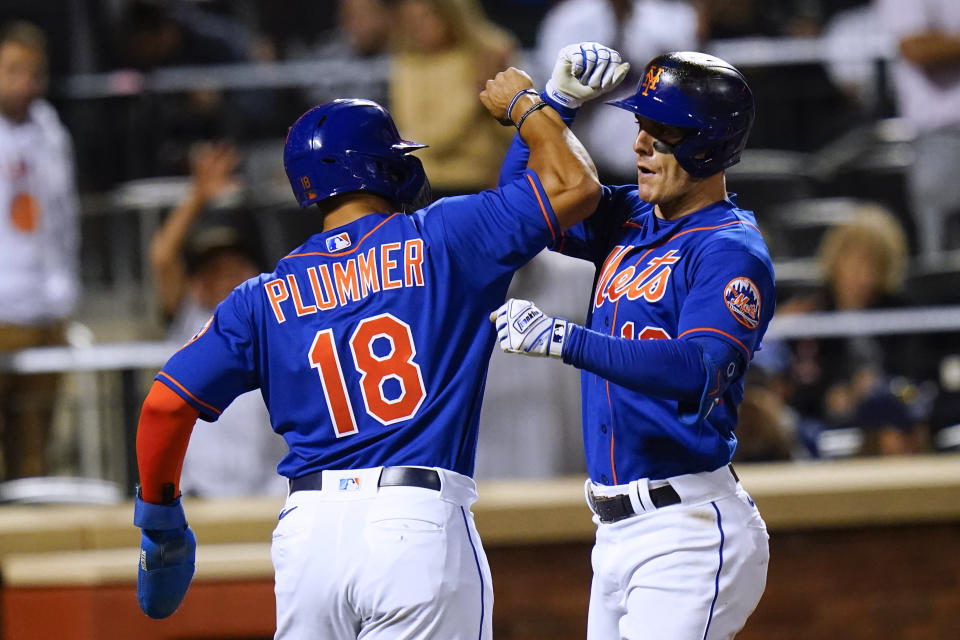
(743, 300)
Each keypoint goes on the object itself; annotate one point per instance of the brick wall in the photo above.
(896, 583)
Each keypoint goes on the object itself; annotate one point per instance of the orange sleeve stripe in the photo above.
(543, 209)
(719, 226)
(342, 253)
(723, 333)
(167, 378)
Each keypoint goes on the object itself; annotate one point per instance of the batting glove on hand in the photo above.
(167, 557)
(523, 328)
(584, 71)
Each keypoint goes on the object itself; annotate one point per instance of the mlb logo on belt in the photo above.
(349, 484)
(338, 242)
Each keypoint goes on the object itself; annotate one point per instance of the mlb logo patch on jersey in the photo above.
(349, 484)
(743, 300)
(338, 242)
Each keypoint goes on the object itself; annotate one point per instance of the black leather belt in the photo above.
(389, 477)
(616, 508)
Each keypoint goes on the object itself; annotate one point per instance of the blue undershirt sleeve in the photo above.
(694, 372)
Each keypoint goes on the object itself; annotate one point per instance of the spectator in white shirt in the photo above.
(39, 242)
(927, 79)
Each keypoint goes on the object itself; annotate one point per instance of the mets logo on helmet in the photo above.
(743, 300)
(651, 79)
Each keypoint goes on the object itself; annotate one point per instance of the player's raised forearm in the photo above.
(166, 265)
(565, 169)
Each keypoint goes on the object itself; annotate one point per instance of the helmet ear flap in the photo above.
(414, 191)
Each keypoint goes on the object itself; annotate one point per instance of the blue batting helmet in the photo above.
(706, 96)
(352, 145)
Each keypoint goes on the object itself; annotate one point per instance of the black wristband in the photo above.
(513, 101)
(536, 107)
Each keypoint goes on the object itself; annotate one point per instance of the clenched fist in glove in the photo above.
(523, 328)
(167, 557)
(584, 71)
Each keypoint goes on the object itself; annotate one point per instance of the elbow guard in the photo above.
(722, 364)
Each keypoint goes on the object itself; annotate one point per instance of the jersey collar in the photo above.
(653, 230)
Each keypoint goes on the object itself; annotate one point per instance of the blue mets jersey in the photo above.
(706, 274)
(370, 342)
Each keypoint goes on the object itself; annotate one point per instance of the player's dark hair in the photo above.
(329, 204)
(25, 34)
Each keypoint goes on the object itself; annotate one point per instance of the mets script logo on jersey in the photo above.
(349, 484)
(338, 242)
(648, 282)
(743, 301)
(651, 80)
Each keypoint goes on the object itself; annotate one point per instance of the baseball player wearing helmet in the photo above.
(683, 294)
(369, 344)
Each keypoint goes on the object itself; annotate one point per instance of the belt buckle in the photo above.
(623, 500)
(594, 501)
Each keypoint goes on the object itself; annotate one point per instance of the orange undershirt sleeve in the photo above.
(166, 422)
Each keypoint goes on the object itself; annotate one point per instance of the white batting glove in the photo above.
(524, 329)
(583, 72)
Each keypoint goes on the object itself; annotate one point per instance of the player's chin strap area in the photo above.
(390, 477)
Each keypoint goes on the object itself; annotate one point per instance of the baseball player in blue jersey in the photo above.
(683, 294)
(370, 346)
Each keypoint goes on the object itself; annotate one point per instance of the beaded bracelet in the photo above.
(536, 107)
(516, 97)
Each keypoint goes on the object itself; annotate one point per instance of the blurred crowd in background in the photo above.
(141, 180)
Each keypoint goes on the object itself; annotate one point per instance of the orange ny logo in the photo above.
(651, 79)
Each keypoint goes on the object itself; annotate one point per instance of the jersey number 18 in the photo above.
(374, 371)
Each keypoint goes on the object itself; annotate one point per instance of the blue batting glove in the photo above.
(167, 557)
(522, 328)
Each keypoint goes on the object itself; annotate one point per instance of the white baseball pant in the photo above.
(357, 561)
(688, 571)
